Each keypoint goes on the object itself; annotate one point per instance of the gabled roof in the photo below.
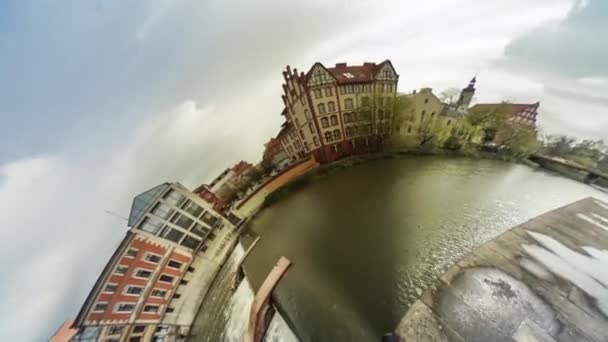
(347, 74)
(511, 108)
(141, 202)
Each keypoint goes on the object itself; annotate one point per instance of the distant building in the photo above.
(274, 154)
(64, 333)
(151, 287)
(338, 111)
(521, 114)
(222, 190)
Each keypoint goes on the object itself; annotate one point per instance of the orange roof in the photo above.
(346, 74)
(64, 333)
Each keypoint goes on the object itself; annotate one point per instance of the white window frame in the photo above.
(109, 284)
(95, 310)
(117, 305)
(152, 262)
(178, 268)
(142, 269)
(166, 282)
(131, 249)
(157, 289)
(126, 288)
(160, 307)
(119, 266)
(116, 326)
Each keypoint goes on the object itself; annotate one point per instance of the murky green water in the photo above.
(366, 241)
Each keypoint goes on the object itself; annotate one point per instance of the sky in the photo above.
(101, 100)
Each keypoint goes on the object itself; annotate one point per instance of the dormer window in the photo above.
(348, 75)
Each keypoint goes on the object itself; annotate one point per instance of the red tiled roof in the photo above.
(513, 108)
(360, 73)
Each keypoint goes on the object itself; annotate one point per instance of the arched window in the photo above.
(380, 115)
(321, 107)
(306, 146)
(337, 134)
(409, 129)
(346, 117)
(349, 132)
(328, 136)
(311, 128)
(307, 114)
(426, 100)
(422, 115)
(324, 122)
(348, 104)
(328, 92)
(331, 107)
(316, 140)
(432, 115)
(334, 120)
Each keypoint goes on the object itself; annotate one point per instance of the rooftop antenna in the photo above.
(111, 213)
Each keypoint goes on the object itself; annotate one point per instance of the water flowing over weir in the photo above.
(224, 313)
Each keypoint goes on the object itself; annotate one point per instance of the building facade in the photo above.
(274, 154)
(149, 288)
(338, 111)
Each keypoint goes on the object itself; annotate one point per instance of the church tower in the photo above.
(466, 95)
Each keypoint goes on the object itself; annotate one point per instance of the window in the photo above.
(182, 221)
(175, 264)
(171, 234)
(318, 93)
(389, 101)
(381, 87)
(143, 274)
(134, 290)
(337, 134)
(321, 107)
(158, 293)
(151, 308)
(151, 224)
(306, 147)
(124, 307)
(380, 115)
(131, 253)
(409, 129)
(170, 310)
(422, 115)
(110, 288)
(173, 198)
(183, 282)
(100, 307)
(365, 100)
(302, 134)
(448, 123)
(353, 116)
(311, 128)
(121, 269)
(192, 208)
(115, 330)
(139, 329)
(328, 92)
(297, 122)
(381, 101)
(153, 258)
(112, 339)
(349, 131)
(315, 140)
(328, 137)
(331, 106)
(324, 122)
(161, 210)
(348, 104)
(199, 230)
(432, 115)
(346, 117)
(166, 278)
(177, 296)
(334, 120)
(302, 99)
(426, 100)
(190, 269)
(135, 339)
(307, 114)
(190, 242)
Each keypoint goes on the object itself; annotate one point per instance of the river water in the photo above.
(366, 241)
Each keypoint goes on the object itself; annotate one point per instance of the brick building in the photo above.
(339, 111)
(150, 287)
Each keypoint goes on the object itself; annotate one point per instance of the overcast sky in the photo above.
(101, 100)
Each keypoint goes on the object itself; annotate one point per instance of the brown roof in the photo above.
(360, 73)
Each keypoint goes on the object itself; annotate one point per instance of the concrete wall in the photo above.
(255, 201)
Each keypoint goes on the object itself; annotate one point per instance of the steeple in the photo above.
(466, 95)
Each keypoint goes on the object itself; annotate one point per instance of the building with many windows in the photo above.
(338, 111)
(153, 284)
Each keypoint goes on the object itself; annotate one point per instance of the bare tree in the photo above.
(450, 96)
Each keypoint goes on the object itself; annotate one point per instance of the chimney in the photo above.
(340, 65)
(288, 69)
(369, 64)
(295, 71)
